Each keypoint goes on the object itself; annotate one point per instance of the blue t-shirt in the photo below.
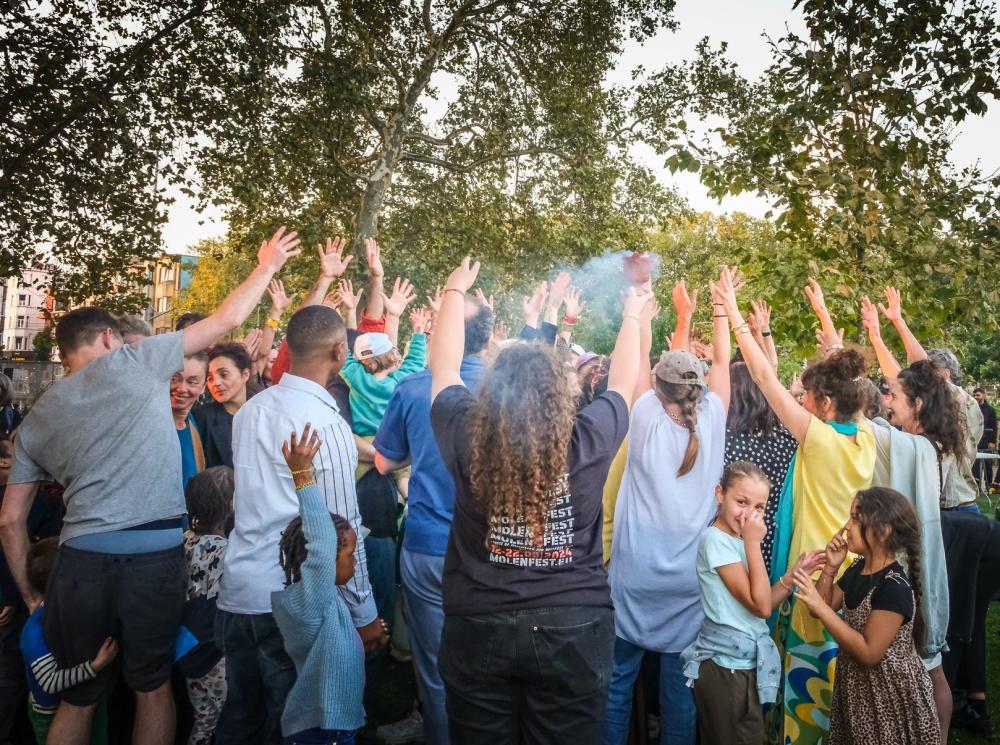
(716, 549)
(189, 467)
(33, 647)
(406, 431)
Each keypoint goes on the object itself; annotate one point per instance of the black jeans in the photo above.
(527, 676)
(259, 675)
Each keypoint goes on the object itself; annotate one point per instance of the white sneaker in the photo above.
(404, 731)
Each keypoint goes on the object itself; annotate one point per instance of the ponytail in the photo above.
(686, 396)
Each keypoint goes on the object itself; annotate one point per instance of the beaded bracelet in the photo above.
(303, 470)
(310, 482)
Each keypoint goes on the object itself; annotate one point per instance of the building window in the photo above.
(167, 273)
(162, 305)
(22, 299)
(19, 323)
(18, 343)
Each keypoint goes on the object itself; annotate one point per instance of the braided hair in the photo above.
(209, 497)
(686, 396)
(292, 548)
(882, 510)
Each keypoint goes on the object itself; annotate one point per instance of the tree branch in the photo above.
(426, 14)
(467, 167)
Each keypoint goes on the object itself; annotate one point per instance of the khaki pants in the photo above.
(729, 710)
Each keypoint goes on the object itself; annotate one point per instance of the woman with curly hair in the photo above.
(666, 500)
(835, 460)
(527, 643)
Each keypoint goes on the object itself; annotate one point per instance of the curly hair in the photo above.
(593, 378)
(838, 378)
(293, 548)
(884, 511)
(940, 413)
(520, 427)
(209, 497)
(686, 396)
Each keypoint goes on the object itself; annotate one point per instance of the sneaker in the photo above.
(404, 731)
(968, 719)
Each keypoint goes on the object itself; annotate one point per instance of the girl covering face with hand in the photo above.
(881, 693)
(733, 665)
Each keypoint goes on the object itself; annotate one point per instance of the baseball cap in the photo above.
(677, 366)
(371, 345)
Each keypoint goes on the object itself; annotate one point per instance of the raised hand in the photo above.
(346, 296)
(836, 549)
(481, 297)
(420, 320)
(724, 291)
(532, 306)
(752, 526)
(893, 310)
(816, 299)
(574, 306)
(280, 300)
(299, 453)
(252, 342)
(463, 276)
(280, 248)
(869, 317)
(825, 345)
(701, 350)
(402, 295)
(558, 290)
(684, 303)
(373, 255)
(332, 262)
(434, 301)
(635, 304)
(761, 314)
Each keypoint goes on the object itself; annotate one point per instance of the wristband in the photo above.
(781, 581)
(743, 328)
(272, 323)
(454, 289)
(722, 316)
(832, 347)
(570, 320)
(630, 316)
(765, 333)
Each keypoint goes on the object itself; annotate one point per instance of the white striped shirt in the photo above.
(265, 500)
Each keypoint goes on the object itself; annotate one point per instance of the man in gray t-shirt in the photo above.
(105, 432)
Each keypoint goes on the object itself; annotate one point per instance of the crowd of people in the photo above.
(572, 532)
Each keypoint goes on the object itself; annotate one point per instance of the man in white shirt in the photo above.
(259, 673)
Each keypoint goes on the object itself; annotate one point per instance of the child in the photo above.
(881, 692)
(45, 678)
(317, 554)
(373, 371)
(733, 665)
(209, 497)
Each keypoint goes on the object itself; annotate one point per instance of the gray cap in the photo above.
(676, 366)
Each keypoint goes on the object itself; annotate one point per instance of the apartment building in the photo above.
(22, 312)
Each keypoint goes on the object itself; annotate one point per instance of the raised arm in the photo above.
(762, 319)
(235, 309)
(787, 409)
(718, 375)
(574, 309)
(886, 361)
(531, 307)
(448, 340)
(625, 357)
(280, 302)
(402, 295)
(346, 298)
(332, 263)
(893, 310)
(557, 293)
(684, 305)
(829, 337)
(375, 278)
(643, 377)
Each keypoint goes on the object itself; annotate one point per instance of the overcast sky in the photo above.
(741, 24)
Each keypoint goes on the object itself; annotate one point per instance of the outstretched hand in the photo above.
(724, 291)
(280, 300)
(684, 303)
(332, 262)
(635, 303)
(301, 450)
(893, 310)
(869, 317)
(558, 289)
(373, 254)
(280, 248)
(402, 295)
(573, 304)
(346, 296)
(463, 276)
(532, 306)
(816, 298)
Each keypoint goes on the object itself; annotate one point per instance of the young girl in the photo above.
(733, 665)
(317, 553)
(209, 497)
(881, 692)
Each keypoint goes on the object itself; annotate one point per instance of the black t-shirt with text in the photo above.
(488, 569)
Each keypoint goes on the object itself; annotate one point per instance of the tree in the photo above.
(44, 342)
(849, 132)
